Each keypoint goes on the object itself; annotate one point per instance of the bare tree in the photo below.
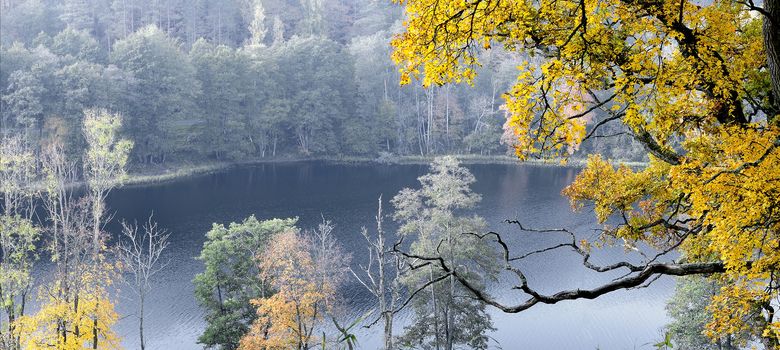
(330, 259)
(70, 218)
(140, 250)
(331, 265)
(381, 276)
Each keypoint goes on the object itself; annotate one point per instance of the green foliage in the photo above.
(76, 45)
(106, 157)
(319, 99)
(75, 15)
(160, 111)
(431, 215)
(231, 279)
(192, 84)
(688, 311)
(665, 344)
(27, 19)
(25, 97)
(18, 236)
(225, 89)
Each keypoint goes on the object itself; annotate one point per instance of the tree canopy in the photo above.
(697, 84)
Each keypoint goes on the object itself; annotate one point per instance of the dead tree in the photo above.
(381, 276)
(140, 250)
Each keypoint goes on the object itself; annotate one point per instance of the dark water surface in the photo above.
(347, 194)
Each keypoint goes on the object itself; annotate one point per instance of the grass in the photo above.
(170, 173)
(156, 174)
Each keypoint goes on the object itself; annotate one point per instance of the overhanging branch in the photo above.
(639, 275)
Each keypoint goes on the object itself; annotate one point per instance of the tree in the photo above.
(224, 90)
(24, 99)
(76, 85)
(313, 22)
(159, 116)
(231, 278)
(695, 84)
(104, 168)
(278, 31)
(286, 318)
(443, 317)
(688, 310)
(140, 255)
(76, 15)
(70, 248)
(305, 271)
(66, 325)
(17, 170)
(319, 99)
(77, 44)
(383, 279)
(257, 28)
(374, 125)
(18, 235)
(104, 163)
(74, 306)
(29, 18)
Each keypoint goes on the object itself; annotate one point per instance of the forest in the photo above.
(290, 250)
(241, 80)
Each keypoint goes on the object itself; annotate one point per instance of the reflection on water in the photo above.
(346, 194)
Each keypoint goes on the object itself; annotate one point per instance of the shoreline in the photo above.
(177, 171)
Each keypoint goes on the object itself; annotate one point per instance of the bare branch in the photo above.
(637, 276)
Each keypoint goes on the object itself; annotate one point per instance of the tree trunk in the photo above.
(450, 310)
(77, 331)
(388, 330)
(447, 117)
(141, 322)
(436, 327)
(772, 46)
(94, 334)
(97, 212)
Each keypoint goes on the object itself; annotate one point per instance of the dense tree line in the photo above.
(231, 80)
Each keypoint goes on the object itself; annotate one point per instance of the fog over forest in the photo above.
(241, 79)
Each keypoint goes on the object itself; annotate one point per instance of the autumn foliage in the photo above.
(304, 281)
(71, 322)
(695, 83)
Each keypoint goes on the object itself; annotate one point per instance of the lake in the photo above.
(347, 195)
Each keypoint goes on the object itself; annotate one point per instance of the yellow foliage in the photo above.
(635, 50)
(70, 323)
(687, 79)
(286, 319)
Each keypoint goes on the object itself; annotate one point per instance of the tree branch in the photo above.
(639, 276)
